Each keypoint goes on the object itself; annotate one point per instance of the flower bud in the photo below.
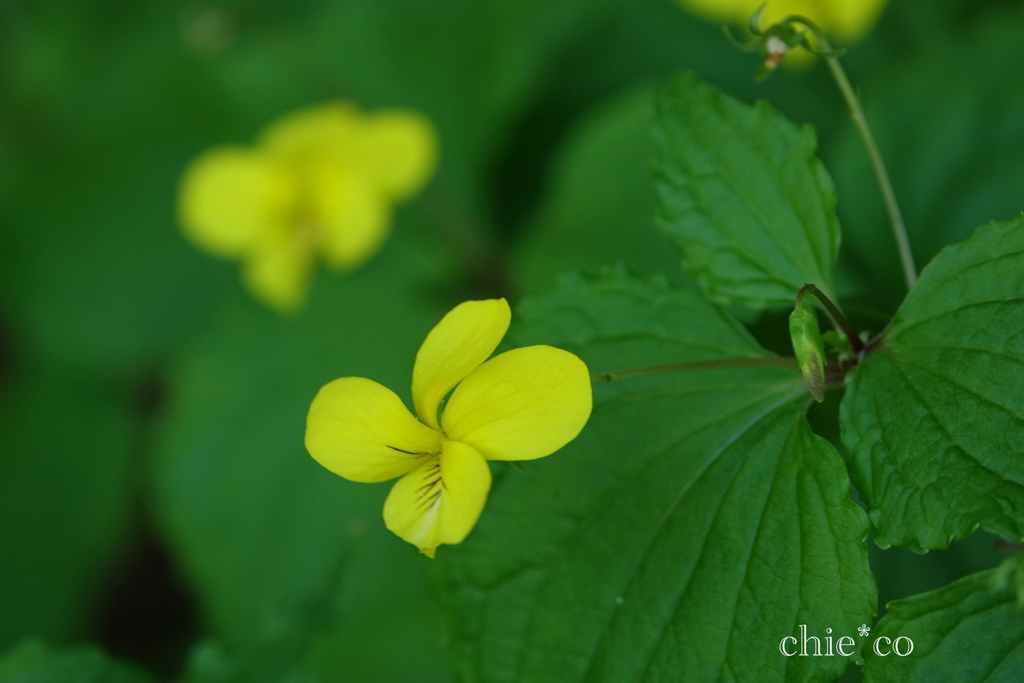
(776, 49)
(808, 347)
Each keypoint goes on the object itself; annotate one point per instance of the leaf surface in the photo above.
(693, 523)
(743, 196)
(966, 632)
(32, 662)
(934, 421)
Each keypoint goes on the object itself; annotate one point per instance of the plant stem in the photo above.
(724, 364)
(899, 229)
(1009, 548)
(838, 319)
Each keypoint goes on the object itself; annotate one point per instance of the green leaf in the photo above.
(258, 525)
(282, 651)
(967, 632)
(601, 203)
(743, 196)
(33, 662)
(934, 418)
(693, 523)
(65, 487)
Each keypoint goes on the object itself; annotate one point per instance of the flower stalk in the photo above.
(776, 41)
(786, 363)
(899, 228)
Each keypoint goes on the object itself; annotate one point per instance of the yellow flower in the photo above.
(319, 183)
(520, 405)
(846, 20)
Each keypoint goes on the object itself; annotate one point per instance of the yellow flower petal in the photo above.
(847, 20)
(229, 196)
(399, 150)
(463, 339)
(326, 130)
(718, 10)
(521, 405)
(360, 430)
(279, 266)
(441, 501)
(850, 21)
(351, 214)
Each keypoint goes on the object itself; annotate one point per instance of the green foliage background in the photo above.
(155, 497)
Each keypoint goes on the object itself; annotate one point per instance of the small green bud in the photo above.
(835, 340)
(808, 347)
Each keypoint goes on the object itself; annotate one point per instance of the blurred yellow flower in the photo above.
(520, 405)
(319, 183)
(846, 20)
